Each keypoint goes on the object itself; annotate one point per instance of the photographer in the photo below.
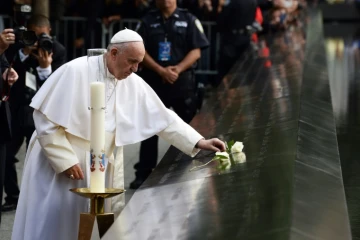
(34, 65)
(7, 78)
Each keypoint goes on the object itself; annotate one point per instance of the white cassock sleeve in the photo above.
(54, 143)
(182, 136)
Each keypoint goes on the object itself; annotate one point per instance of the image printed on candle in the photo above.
(102, 162)
(92, 161)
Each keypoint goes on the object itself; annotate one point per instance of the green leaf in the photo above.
(229, 145)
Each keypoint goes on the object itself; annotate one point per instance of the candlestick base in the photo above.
(87, 224)
(97, 204)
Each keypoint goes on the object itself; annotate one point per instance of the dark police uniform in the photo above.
(232, 25)
(168, 41)
(179, 34)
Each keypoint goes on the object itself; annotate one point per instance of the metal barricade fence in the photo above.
(68, 29)
(116, 26)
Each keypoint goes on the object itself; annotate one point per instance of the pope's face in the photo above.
(126, 61)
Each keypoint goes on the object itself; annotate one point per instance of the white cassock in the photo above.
(46, 208)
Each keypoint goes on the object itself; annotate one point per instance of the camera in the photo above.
(22, 36)
(45, 42)
(28, 38)
(25, 37)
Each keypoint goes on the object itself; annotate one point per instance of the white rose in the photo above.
(239, 157)
(237, 147)
(237, 154)
(224, 161)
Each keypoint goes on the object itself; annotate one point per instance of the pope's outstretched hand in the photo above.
(213, 144)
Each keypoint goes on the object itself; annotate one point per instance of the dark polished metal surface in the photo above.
(290, 185)
(319, 209)
(343, 56)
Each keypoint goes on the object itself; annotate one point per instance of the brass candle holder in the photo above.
(97, 211)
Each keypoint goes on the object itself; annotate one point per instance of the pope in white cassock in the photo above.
(58, 155)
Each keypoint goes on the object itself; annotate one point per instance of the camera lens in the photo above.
(24, 37)
(45, 42)
(29, 38)
(47, 45)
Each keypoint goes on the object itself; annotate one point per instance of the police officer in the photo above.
(173, 40)
(234, 21)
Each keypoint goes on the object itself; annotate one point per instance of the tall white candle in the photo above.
(97, 144)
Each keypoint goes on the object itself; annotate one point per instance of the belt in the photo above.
(238, 31)
(241, 31)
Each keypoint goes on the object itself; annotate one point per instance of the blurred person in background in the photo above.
(34, 65)
(113, 11)
(204, 10)
(173, 39)
(136, 8)
(282, 13)
(91, 10)
(108, 11)
(8, 78)
(233, 25)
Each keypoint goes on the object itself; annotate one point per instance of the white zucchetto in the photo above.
(126, 35)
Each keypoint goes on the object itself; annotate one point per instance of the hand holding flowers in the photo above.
(232, 155)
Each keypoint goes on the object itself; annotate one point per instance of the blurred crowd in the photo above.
(240, 25)
(100, 15)
(111, 10)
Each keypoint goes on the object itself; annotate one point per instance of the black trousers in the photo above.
(20, 132)
(184, 103)
(232, 48)
(2, 170)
